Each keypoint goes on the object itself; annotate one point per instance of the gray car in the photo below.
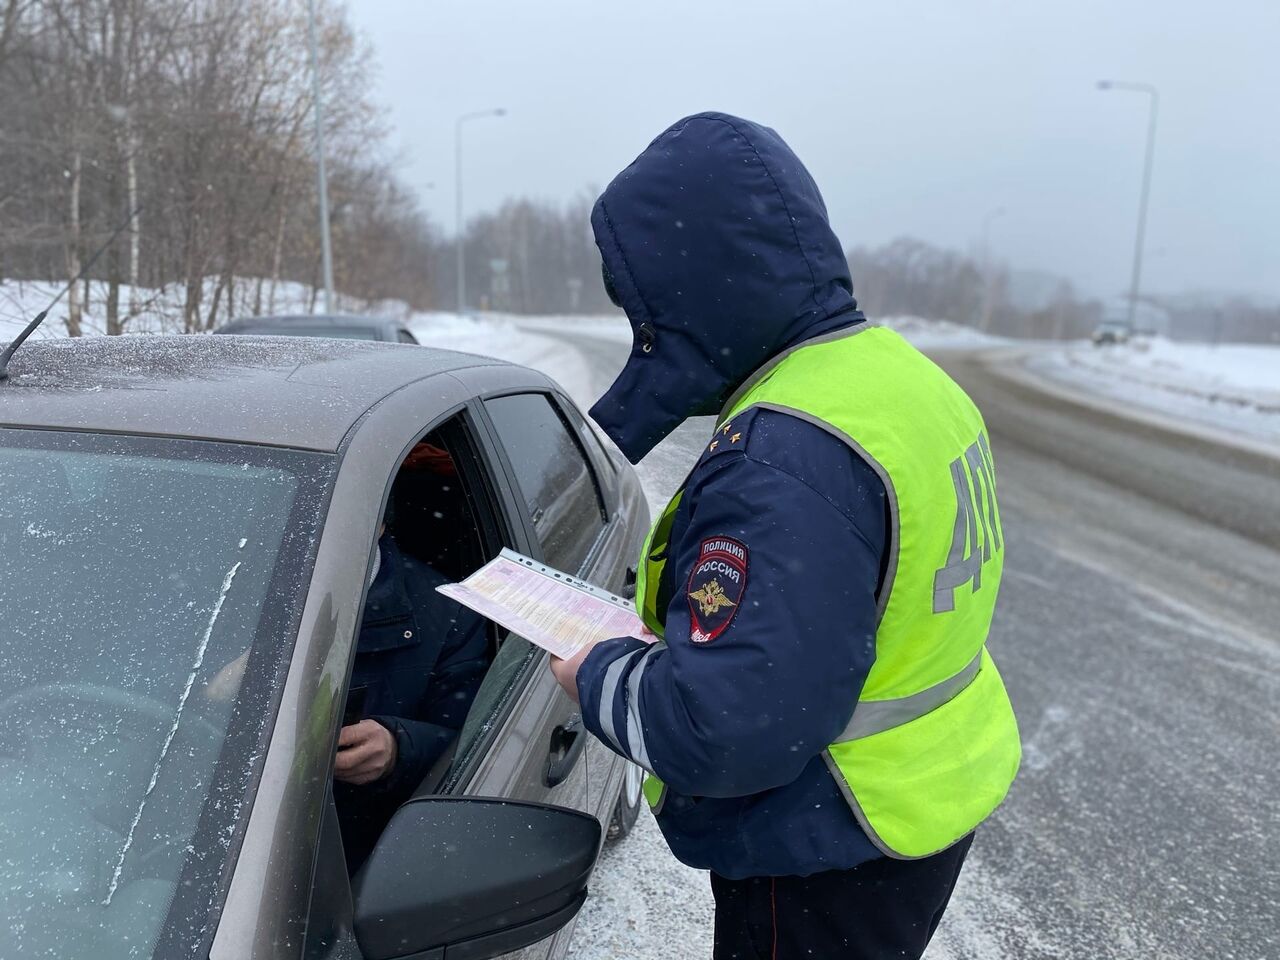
(172, 506)
(333, 326)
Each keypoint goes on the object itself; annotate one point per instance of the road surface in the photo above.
(1138, 631)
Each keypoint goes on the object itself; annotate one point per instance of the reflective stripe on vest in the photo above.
(869, 717)
(876, 716)
(932, 745)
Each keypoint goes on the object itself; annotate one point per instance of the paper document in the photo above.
(547, 607)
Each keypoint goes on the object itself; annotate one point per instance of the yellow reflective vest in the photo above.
(932, 745)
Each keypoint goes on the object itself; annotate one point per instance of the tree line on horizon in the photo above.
(199, 112)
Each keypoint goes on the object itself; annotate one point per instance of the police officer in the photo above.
(823, 726)
(420, 658)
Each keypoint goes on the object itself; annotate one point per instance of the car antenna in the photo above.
(39, 317)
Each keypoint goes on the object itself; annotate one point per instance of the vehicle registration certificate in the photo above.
(548, 607)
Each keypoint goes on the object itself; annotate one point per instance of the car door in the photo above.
(522, 738)
(519, 736)
(543, 752)
(611, 565)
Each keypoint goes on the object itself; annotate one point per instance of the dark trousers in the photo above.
(882, 908)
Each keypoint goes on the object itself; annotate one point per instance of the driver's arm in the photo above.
(452, 685)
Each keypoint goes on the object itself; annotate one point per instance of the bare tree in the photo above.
(197, 111)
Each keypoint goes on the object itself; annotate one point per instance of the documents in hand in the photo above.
(559, 613)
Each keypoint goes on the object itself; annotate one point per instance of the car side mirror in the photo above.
(473, 876)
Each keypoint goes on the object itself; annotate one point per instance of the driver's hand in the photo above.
(366, 752)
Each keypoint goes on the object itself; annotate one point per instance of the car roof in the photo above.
(284, 391)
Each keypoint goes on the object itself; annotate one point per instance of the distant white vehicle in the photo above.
(1118, 325)
(1111, 331)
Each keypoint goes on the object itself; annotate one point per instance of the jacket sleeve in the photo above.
(452, 685)
(746, 711)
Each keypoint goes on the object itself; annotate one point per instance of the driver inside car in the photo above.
(420, 657)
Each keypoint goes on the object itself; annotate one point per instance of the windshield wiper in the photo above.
(39, 318)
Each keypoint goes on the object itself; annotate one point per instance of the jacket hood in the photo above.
(716, 243)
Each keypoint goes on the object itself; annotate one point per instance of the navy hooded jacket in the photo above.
(420, 658)
(716, 244)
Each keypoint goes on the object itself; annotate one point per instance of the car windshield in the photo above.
(334, 333)
(149, 589)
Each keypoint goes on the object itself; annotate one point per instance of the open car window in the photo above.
(445, 512)
(448, 514)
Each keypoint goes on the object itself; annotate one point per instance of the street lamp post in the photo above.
(326, 247)
(461, 238)
(986, 265)
(1154, 104)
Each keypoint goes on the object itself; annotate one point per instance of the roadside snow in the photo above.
(522, 339)
(1232, 387)
(940, 334)
(644, 904)
(612, 327)
(489, 334)
(516, 340)
(160, 308)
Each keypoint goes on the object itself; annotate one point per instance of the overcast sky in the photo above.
(915, 118)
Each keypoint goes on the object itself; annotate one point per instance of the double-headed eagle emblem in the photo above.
(711, 598)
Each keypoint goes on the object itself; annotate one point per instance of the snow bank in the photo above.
(644, 903)
(1230, 370)
(940, 334)
(160, 308)
(516, 338)
(925, 334)
(1232, 387)
(612, 327)
(524, 340)
(489, 334)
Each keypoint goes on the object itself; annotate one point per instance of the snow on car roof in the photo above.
(298, 392)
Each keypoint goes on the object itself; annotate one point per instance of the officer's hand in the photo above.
(366, 752)
(566, 671)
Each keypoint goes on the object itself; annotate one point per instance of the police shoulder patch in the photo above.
(716, 586)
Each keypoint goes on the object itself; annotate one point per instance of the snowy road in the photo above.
(1138, 634)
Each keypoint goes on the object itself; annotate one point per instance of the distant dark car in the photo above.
(174, 507)
(336, 326)
(1111, 331)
